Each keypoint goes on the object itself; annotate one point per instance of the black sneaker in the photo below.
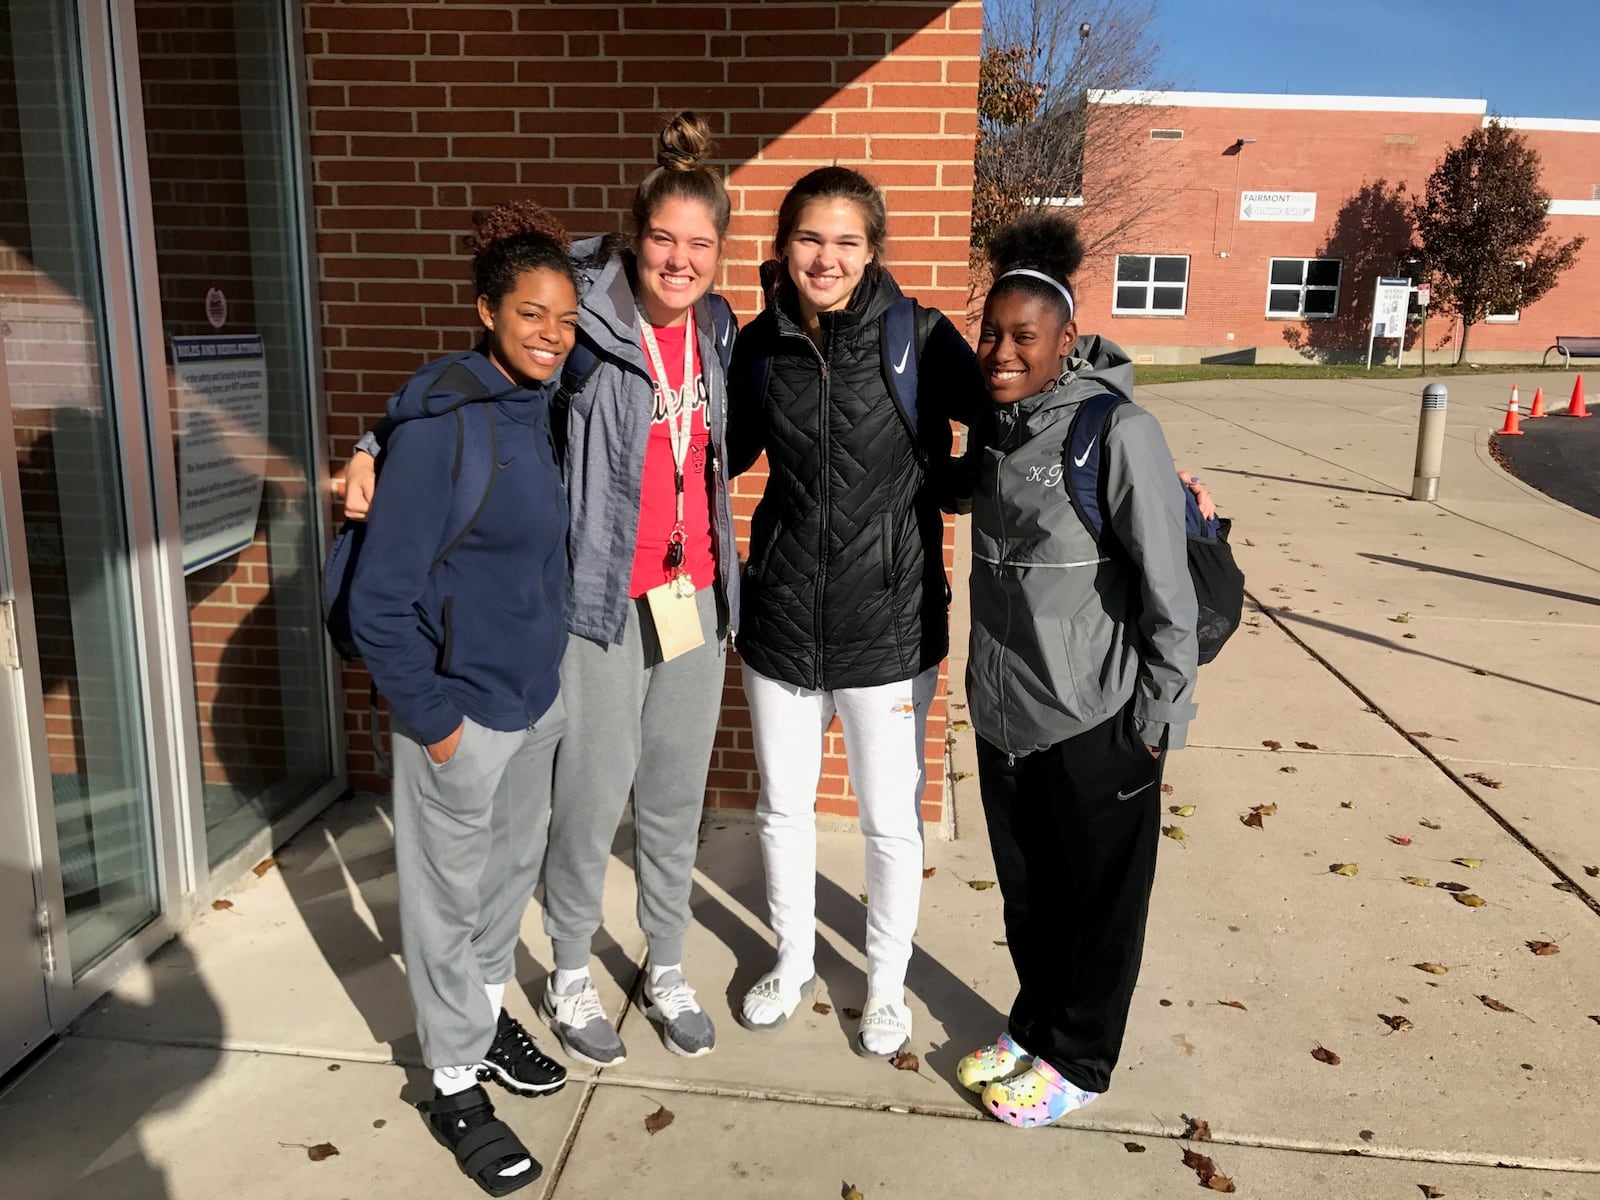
(514, 1062)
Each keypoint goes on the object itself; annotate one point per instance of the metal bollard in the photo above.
(1430, 443)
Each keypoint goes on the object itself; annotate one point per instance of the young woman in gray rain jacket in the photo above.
(1079, 680)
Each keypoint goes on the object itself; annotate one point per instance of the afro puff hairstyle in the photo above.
(1039, 242)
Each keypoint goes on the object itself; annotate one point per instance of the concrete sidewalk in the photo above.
(1422, 653)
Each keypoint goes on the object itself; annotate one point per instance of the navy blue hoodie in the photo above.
(482, 634)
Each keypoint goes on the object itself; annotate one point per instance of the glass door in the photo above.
(66, 520)
(24, 1009)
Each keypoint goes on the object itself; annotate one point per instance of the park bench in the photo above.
(1574, 347)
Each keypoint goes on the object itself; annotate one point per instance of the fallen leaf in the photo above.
(1272, 745)
(1252, 819)
(1267, 810)
(658, 1120)
(1167, 789)
(821, 1009)
(1220, 1183)
(848, 1191)
(379, 1123)
(265, 865)
(1343, 868)
(1133, 1147)
(1564, 885)
(1206, 1171)
(1432, 968)
(1469, 899)
(1347, 804)
(1472, 864)
(1491, 1002)
(1307, 745)
(220, 905)
(1182, 810)
(861, 896)
(1427, 824)
(853, 1014)
(1595, 1017)
(1399, 839)
(1592, 872)
(1480, 777)
(1398, 1024)
(1401, 618)
(929, 872)
(1415, 881)
(1288, 770)
(321, 1151)
(980, 885)
(1175, 833)
(906, 1061)
(1431, 1192)
(1448, 886)
(1323, 1055)
(1544, 949)
(1233, 1004)
(1197, 1130)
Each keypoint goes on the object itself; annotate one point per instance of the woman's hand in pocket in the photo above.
(443, 751)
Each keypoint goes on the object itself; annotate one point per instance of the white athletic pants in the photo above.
(884, 729)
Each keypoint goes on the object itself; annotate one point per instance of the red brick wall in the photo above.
(423, 113)
(1355, 161)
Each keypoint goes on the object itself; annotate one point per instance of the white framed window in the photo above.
(1515, 315)
(1151, 285)
(1303, 289)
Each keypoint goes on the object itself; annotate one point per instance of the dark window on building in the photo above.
(1303, 288)
(1169, 135)
(1152, 285)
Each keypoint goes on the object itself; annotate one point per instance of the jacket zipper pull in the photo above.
(1011, 760)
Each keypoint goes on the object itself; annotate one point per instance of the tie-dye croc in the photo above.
(1038, 1096)
(998, 1061)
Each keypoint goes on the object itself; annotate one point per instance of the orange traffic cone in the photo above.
(1577, 408)
(1513, 427)
(1536, 409)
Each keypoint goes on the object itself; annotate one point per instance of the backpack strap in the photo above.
(471, 478)
(722, 327)
(901, 349)
(1085, 452)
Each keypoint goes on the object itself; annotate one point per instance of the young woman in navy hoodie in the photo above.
(463, 630)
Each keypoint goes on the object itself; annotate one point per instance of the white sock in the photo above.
(453, 1080)
(657, 972)
(497, 999)
(566, 982)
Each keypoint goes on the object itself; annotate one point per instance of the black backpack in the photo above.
(1218, 582)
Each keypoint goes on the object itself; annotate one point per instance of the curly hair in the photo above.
(513, 238)
(679, 175)
(1040, 242)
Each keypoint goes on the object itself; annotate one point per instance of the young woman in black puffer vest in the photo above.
(844, 598)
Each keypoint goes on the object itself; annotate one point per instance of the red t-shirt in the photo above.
(658, 497)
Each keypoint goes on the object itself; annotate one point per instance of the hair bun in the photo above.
(1040, 241)
(514, 219)
(683, 143)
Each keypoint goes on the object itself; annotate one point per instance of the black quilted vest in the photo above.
(845, 583)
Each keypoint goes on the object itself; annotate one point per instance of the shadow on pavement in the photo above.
(1517, 585)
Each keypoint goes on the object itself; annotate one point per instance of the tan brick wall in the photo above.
(1334, 154)
(422, 113)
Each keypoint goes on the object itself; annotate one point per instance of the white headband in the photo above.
(1055, 283)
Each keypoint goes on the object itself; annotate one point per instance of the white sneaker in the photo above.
(580, 1024)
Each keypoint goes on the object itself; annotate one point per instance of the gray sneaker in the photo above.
(580, 1025)
(685, 1027)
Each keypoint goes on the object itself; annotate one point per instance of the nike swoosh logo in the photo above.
(504, 465)
(1135, 792)
(726, 334)
(900, 367)
(1078, 462)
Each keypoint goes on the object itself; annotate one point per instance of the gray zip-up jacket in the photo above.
(1065, 632)
(601, 434)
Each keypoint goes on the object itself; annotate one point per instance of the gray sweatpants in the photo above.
(635, 722)
(469, 839)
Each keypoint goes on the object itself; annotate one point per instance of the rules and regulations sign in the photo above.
(1389, 305)
(221, 422)
(1278, 206)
